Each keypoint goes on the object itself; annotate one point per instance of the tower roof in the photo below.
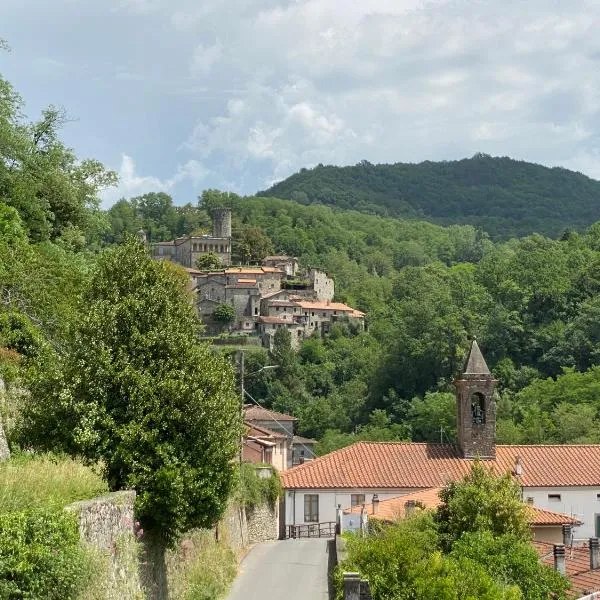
(475, 363)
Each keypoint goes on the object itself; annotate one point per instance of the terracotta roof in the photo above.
(541, 516)
(393, 509)
(271, 294)
(262, 432)
(320, 305)
(241, 285)
(577, 565)
(171, 243)
(246, 281)
(282, 257)
(252, 270)
(275, 321)
(401, 465)
(258, 413)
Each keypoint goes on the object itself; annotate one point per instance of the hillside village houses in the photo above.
(560, 478)
(265, 297)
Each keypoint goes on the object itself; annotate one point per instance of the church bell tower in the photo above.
(476, 408)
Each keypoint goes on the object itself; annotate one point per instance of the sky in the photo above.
(184, 95)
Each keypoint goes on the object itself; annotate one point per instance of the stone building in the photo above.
(186, 250)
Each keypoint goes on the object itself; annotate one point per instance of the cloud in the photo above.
(133, 184)
(250, 91)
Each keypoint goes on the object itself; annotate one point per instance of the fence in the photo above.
(312, 530)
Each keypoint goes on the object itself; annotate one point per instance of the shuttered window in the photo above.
(311, 508)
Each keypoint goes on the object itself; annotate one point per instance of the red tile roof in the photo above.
(401, 465)
(275, 321)
(393, 509)
(258, 413)
(577, 565)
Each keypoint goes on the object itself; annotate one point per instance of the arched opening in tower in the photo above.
(478, 408)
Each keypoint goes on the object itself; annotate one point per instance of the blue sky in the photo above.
(181, 95)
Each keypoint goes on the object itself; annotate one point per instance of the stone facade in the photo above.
(322, 284)
(263, 523)
(476, 408)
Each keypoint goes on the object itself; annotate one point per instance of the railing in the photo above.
(311, 530)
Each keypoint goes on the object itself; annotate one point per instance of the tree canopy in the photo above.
(136, 390)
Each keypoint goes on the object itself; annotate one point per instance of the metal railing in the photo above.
(311, 530)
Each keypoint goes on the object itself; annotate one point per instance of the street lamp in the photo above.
(242, 379)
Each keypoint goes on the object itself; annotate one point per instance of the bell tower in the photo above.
(476, 408)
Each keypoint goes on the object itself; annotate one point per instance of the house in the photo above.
(580, 563)
(187, 249)
(546, 526)
(261, 445)
(287, 264)
(560, 478)
(299, 449)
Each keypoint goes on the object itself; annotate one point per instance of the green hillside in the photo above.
(505, 197)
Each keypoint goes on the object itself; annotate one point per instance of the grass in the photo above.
(46, 481)
(201, 568)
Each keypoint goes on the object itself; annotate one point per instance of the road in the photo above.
(286, 570)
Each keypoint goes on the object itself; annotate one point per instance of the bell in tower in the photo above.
(476, 408)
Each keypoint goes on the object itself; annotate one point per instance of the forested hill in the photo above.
(505, 197)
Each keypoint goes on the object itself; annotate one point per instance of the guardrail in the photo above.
(311, 530)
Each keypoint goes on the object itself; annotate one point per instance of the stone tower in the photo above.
(476, 408)
(221, 218)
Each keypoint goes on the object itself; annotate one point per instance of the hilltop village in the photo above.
(277, 293)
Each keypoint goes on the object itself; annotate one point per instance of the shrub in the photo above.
(253, 490)
(41, 556)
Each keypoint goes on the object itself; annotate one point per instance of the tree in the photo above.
(252, 244)
(208, 262)
(136, 390)
(224, 313)
(433, 418)
(481, 502)
(43, 179)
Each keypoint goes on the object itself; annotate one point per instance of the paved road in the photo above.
(284, 570)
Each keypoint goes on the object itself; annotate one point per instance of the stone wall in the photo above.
(107, 524)
(263, 523)
(4, 451)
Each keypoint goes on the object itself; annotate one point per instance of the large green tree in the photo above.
(136, 390)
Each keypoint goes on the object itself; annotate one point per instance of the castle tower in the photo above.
(476, 408)
(221, 218)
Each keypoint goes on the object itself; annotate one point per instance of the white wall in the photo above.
(328, 501)
(580, 502)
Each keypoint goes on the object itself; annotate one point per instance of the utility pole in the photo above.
(242, 403)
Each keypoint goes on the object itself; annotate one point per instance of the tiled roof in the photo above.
(320, 305)
(401, 465)
(258, 413)
(541, 516)
(392, 509)
(253, 281)
(252, 270)
(577, 565)
(283, 258)
(298, 439)
(262, 432)
(282, 303)
(275, 321)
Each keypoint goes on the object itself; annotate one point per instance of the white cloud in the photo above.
(204, 58)
(133, 184)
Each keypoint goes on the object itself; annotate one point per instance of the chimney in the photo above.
(567, 531)
(594, 554)
(559, 558)
(375, 504)
(518, 469)
(409, 508)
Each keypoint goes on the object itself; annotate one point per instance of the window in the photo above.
(357, 500)
(299, 333)
(554, 497)
(312, 314)
(478, 408)
(311, 508)
(597, 525)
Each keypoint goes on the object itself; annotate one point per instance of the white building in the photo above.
(559, 478)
